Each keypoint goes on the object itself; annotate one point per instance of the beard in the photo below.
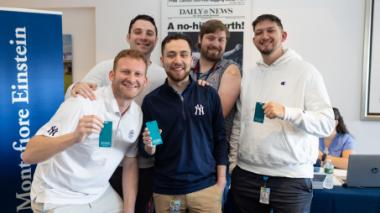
(178, 77)
(266, 52)
(212, 54)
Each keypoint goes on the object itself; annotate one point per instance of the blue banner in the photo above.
(31, 86)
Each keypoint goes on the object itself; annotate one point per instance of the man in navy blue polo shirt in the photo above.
(190, 165)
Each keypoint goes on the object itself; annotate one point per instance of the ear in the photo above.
(111, 75)
(162, 61)
(128, 38)
(284, 35)
(146, 81)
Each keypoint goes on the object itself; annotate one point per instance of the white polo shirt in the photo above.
(80, 174)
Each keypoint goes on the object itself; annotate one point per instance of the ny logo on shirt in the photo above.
(199, 110)
(52, 130)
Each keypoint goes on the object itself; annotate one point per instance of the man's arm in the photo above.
(220, 142)
(130, 181)
(234, 138)
(221, 177)
(41, 148)
(229, 88)
(317, 117)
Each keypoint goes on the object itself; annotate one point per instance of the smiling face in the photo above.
(128, 78)
(176, 59)
(268, 37)
(213, 45)
(142, 37)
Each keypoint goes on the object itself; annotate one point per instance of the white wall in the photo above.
(328, 33)
(80, 23)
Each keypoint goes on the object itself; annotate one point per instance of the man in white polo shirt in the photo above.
(73, 169)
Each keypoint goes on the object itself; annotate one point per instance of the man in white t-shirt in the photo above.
(74, 168)
(142, 36)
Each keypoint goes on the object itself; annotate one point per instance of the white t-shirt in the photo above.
(80, 174)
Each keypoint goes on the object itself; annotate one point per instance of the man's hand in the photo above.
(221, 183)
(85, 90)
(274, 110)
(88, 124)
(203, 83)
(147, 140)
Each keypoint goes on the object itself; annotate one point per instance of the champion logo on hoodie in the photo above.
(283, 83)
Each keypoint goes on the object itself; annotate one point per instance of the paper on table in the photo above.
(339, 176)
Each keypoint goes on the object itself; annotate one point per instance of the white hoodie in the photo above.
(288, 147)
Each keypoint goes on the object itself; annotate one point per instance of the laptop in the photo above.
(363, 171)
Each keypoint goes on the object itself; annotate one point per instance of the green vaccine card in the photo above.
(105, 137)
(154, 132)
(259, 113)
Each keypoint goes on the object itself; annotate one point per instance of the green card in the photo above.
(154, 132)
(259, 113)
(105, 137)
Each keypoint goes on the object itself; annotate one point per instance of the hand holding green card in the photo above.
(259, 113)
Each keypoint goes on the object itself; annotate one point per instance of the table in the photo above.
(342, 199)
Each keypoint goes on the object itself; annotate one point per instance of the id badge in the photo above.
(105, 137)
(175, 205)
(264, 195)
(259, 113)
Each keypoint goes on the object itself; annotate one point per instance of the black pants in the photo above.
(291, 195)
(116, 181)
(144, 200)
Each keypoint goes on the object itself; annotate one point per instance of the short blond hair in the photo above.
(130, 53)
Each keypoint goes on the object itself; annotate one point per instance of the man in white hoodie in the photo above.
(277, 150)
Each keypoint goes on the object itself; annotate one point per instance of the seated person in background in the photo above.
(338, 146)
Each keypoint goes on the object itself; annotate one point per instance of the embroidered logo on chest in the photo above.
(199, 109)
(131, 133)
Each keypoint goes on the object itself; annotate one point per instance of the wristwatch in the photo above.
(323, 157)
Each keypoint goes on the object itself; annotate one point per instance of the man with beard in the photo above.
(142, 36)
(190, 165)
(285, 109)
(73, 168)
(223, 75)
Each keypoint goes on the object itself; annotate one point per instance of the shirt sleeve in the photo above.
(348, 142)
(219, 132)
(64, 121)
(317, 117)
(98, 75)
(132, 150)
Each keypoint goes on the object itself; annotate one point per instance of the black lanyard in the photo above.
(197, 71)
